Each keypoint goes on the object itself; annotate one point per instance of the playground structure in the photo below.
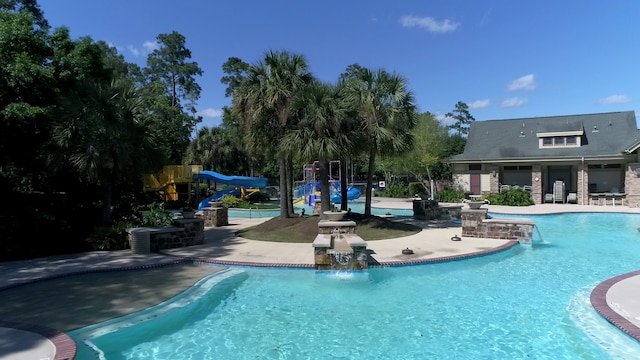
(173, 182)
(245, 186)
(176, 182)
(307, 191)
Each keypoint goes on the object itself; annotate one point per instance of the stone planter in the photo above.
(215, 204)
(475, 204)
(335, 215)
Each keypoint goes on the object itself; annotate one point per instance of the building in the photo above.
(585, 159)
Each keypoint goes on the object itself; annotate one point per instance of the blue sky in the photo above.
(504, 58)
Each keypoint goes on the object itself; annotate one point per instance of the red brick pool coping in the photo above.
(64, 345)
(598, 300)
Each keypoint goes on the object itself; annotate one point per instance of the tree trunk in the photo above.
(289, 168)
(325, 191)
(284, 198)
(372, 169)
(344, 205)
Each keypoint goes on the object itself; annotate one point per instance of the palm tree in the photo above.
(386, 112)
(267, 98)
(106, 137)
(318, 133)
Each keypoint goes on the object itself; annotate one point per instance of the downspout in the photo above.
(582, 182)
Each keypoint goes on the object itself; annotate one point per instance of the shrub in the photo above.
(450, 195)
(511, 197)
(155, 216)
(395, 189)
(417, 188)
(109, 238)
(230, 201)
(258, 196)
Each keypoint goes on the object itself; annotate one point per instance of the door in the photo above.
(474, 184)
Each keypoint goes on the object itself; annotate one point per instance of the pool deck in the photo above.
(616, 299)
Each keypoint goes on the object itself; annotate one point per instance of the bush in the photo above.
(450, 195)
(258, 196)
(417, 188)
(395, 189)
(511, 197)
(110, 238)
(230, 201)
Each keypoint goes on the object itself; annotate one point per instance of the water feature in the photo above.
(337, 247)
(527, 302)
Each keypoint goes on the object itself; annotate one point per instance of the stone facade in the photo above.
(475, 224)
(215, 216)
(494, 179)
(632, 185)
(184, 232)
(583, 184)
(536, 183)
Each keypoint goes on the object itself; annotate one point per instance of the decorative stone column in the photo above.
(536, 184)
(632, 185)
(215, 216)
(494, 181)
(583, 184)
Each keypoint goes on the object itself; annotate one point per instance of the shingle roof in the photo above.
(605, 134)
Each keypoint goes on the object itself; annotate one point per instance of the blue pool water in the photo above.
(356, 206)
(529, 302)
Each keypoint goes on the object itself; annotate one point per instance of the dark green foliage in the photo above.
(258, 197)
(229, 201)
(417, 188)
(511, 197)
(396, 189)
(450, 195)
(155, 216)
(108, 238)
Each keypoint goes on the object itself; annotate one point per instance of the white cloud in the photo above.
(514, 102)
(526, 82)
(443, 119)
(430, 24)
(210, 113)
(614, 99)
(135, 52)
(147, 47)
(479, 104)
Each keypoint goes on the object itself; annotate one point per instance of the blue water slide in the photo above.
(218, 196)
(244, 181)
(352, 194)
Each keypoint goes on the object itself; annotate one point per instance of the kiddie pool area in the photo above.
(355, 205)
(526, 302)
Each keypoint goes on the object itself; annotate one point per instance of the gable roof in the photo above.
(603, 135)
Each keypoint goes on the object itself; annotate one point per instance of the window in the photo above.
(475, 167)
(560, 141)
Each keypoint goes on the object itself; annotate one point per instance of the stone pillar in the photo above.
(472, 221)
(583, 184)
(494, 181)
(536, 184)
(632, 185)
(215, 216)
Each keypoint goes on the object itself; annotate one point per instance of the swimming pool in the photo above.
(526, 302)
(356, 206)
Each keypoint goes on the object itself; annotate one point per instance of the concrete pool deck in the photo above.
(616, 299)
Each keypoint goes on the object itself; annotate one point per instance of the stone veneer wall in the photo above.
(215, 216)
(632, 185)
(184, 232)
(475, 224)
(536, 186)
(494, 181)
(583, 184)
